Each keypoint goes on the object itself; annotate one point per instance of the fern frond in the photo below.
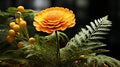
(102, 61)
(93, 60)
(87, 41)
(91, 35)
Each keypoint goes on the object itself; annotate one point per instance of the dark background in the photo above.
(85, 11)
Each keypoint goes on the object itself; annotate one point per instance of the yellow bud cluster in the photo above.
(10, 37)
(17, 24)
(18, 31)
(14, 26)
(21, 22)
(12, 32)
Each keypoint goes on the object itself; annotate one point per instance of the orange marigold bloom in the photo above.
(55, 18)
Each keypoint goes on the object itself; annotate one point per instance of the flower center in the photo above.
(53, 16)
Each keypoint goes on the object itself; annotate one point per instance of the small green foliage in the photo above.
(11, 11)
(40, 54)
(44, 49)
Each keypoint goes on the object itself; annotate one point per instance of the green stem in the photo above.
(25, 30)
(26, 33)
(20, 29)
(58, 49)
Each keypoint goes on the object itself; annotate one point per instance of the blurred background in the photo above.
(85, 11)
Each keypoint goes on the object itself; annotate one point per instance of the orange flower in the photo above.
(55, 18)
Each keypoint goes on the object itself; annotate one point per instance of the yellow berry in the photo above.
(16, 27)
(18, 20)
(20, 45)
(11, 32)
(20, 8)
(23, 23)
(10, 39)
(12, 24)
(31, 40)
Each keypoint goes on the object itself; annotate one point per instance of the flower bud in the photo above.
(20, 45)
(17, 15)
(16, 27)
(18, 20)
(31, 40)
(11, 32)
(20, 8)
(12, 24)
(10, 39)
(23, 23)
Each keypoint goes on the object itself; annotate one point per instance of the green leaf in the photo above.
(97, 23)
(97, 37)
(93, 25)
(100, 33)
(85, 31)
(92, 43)
(90, 47)
(12, 10)
(104, 29)
(106, 26)
(89, 28)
